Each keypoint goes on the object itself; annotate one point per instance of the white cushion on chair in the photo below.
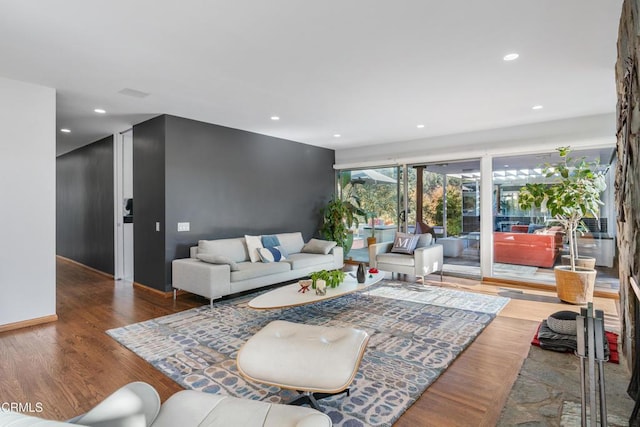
(295, 356)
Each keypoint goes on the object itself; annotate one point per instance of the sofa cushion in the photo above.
(218, 259)
(424, 240)
(270, 255)
(291, 242)
(316, 246)
(304, 260)
(394, 258)
(404, 243)
(251, 270)
(235, 248)
(253, 244)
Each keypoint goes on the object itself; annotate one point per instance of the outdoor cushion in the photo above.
(251, 270)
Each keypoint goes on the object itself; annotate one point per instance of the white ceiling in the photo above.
(370, 70)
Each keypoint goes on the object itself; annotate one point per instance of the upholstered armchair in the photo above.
(425, 259)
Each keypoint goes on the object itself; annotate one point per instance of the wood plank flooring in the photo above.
(70, 365)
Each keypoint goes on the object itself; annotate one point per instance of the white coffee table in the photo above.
(288, 295)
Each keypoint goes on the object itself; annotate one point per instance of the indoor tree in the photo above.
(573, 194)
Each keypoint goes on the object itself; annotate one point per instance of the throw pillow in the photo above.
(253, 244)
(283, 251)
(270, 255)
(404, 243)
(316, 246)
(270, 241)
(218, 259)
(424, 240)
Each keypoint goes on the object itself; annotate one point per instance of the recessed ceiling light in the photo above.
(419, 126)
(506, 166)
(65, 130)
(99, 111)
(275, 118)
(336, 135)
(511, 56)
(537, 107)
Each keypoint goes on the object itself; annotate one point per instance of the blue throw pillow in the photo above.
(270, 241)
(270, 255)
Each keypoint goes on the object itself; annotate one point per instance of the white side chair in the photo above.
(424, 260)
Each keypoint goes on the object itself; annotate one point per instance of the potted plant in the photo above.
(332, 277)
(573, 194)
(341, 214)
(337, 219)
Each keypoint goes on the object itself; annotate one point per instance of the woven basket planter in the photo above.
(581, 261)
(575, 287)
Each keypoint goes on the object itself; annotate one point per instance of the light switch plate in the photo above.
(184, 226)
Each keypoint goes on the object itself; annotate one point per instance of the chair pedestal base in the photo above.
(311, 399)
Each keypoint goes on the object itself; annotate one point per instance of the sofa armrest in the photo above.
(378, 248)
(201, 278)
(429, 259)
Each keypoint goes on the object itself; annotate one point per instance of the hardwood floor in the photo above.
(70, 365)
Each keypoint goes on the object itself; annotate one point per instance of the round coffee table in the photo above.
(288, 295)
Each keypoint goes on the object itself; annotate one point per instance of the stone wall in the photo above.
(628, 169)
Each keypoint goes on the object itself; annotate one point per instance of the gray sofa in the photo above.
(230, 269)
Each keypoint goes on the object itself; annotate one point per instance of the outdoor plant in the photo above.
(332, 277)
(337, 219)
(341, 214)
(573, 194)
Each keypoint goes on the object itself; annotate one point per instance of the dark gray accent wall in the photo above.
(227, 183)
(149, 203)
(84, 205)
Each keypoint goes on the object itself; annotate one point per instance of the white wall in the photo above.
(582, 132)
(28, 204)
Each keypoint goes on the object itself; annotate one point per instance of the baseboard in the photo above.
(541, 287)
(95, 270)
(153, 291)
(28, 322)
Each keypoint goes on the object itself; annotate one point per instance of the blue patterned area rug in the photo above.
(416, 333)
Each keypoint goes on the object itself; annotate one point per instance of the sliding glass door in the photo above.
(528, 243)
(374, 196)
(445, 198)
